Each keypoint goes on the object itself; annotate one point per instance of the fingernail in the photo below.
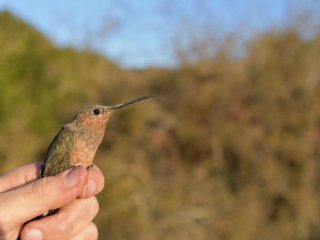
(34, 234)
(73, 177)
(91, 188)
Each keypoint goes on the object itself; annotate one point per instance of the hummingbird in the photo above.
(77, 142)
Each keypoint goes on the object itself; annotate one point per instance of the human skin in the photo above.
(23, 197)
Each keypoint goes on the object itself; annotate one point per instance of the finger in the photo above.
(95, 183)
(20, 176)
(89, 232)
(31, 200)
(67, 222)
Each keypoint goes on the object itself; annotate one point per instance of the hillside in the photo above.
(230, 148)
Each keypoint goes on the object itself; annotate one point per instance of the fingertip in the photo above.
(91, 188)
(31, 234)
(96, 175)
(94, 184)
(75, 176)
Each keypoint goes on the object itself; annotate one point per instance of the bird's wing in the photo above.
(57, 158)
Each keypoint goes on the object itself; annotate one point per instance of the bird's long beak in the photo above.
(121, 105)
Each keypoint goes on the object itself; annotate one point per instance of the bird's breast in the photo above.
(82, 152)
(86, 140)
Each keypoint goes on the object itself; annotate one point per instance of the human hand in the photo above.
(23, 197)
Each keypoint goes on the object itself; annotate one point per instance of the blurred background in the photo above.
(228, 150)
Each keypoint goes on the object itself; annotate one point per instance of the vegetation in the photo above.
(228, 150)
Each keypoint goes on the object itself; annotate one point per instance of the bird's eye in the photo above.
(97, 111)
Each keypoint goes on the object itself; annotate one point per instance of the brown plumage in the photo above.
(77, 142)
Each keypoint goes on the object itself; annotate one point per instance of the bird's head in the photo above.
(95, 117)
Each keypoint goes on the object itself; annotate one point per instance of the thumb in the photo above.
(31, 200)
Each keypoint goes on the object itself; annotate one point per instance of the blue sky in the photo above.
(140, 33)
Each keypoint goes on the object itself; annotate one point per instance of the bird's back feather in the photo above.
(57, 158)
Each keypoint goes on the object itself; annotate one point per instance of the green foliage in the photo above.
(228, 150)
